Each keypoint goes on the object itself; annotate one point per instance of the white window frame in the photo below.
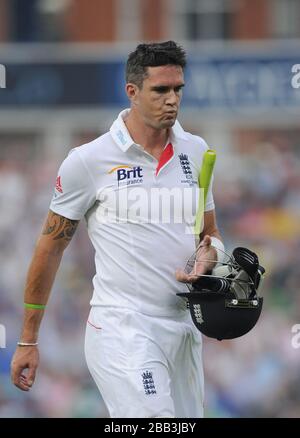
(178, 10)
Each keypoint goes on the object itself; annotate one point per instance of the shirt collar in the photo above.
(121, 136)
(120, 133)
(177, 132)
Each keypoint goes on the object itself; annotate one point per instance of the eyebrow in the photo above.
(166, 87)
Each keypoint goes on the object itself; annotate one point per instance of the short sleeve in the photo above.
(75, 191)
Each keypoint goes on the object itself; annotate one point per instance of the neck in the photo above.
(150, 138)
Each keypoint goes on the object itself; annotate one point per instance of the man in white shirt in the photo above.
(135, 186)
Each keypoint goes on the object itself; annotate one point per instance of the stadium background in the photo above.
(64, 64)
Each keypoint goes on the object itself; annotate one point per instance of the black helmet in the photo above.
(225, 304)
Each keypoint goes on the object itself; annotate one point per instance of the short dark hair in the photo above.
(152, 55)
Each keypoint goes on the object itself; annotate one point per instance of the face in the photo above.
(157, 101)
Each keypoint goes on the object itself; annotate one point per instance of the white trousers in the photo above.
(145, 366)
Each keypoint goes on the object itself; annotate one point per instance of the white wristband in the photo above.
(27, 344)
(218, 244)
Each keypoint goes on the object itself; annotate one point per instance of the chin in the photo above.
(167, 123)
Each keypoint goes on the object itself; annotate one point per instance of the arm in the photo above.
(205, 251)
(55, 237)
(210, 225)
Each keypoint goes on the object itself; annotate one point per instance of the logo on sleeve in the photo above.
(58, 186)
(127, 175)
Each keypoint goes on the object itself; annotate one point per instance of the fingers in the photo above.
(31, 375)
(23, 384)
(183, 277)
(206, 241)
(19, 379)
(24, 380)
(200, 267)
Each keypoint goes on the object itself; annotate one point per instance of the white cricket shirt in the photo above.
(137, 212)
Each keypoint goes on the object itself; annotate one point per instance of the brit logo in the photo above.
(127, 175)
(148, 383)
(185, 166)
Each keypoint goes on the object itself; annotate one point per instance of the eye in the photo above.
(161, 90)
(164, 89)
(177, 89)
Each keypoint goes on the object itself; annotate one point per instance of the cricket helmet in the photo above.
(225, 304)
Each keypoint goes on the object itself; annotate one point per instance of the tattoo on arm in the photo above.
(59, 227)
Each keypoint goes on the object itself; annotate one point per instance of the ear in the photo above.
(132, 92)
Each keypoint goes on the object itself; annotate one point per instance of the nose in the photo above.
(172, 98)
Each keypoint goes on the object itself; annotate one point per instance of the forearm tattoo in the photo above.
(59, 227)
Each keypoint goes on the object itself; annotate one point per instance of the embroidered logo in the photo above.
(185, 166)
(58, 186)
(148, 383)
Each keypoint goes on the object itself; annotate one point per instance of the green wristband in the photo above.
(34, 306)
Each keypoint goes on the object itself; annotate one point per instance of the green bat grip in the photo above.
(208, 162)
(207, 168)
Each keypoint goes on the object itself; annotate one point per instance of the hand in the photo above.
(202, 264)
(24, 358)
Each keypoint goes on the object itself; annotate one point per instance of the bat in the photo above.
(204, 178)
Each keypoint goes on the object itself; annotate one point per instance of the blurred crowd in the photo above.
(258, 205)
(258, 200)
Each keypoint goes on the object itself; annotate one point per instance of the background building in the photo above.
(64, 63)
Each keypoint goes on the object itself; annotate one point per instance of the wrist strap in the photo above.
(34, 306)
(27, 344)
